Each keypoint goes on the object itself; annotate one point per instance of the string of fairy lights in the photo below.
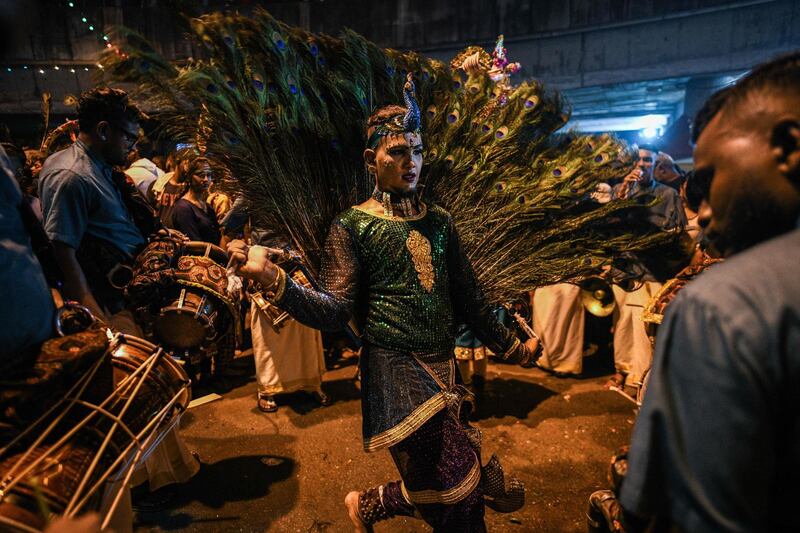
(42, 68)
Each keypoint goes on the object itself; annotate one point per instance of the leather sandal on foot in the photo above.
(617, 381)
(266, 403)
(323, 399)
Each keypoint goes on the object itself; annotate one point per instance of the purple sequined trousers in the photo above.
(438, 457)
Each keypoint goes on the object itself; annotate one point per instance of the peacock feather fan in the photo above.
(283, 110)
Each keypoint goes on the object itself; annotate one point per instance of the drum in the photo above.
(179, 290)
(653, 312)
(106, 419)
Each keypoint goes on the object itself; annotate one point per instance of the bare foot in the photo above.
(351, 502)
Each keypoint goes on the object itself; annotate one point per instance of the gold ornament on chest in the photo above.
(420, 248)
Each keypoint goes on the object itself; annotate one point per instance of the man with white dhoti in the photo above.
(558, 320)
(287, 360)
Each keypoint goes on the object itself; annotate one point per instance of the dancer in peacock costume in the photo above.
(502, 205)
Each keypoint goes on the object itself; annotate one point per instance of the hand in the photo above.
(252, 262)
(634, 176)
(532, 344)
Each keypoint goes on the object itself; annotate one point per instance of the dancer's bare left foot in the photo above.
(351, 502)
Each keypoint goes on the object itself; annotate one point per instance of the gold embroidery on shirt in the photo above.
(420, 248)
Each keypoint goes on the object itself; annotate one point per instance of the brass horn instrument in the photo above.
(597, 297)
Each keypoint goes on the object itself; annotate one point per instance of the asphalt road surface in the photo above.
(289, 471)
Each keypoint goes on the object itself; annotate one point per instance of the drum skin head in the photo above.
(180, 329)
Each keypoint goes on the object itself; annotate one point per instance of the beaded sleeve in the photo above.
(470, 305)
(330, 307)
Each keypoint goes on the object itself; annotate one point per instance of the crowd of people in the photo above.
(715, 446)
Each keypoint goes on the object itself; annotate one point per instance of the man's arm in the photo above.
(472, 308)
(328, 308)
(75, 285)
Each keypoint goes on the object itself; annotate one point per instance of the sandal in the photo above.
(616, 381)
(266, 403)
(323, 399)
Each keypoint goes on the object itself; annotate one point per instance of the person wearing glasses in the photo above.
(87, 206)
(98, 221)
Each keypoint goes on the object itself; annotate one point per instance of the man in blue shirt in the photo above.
(83, 204)
(716, 446)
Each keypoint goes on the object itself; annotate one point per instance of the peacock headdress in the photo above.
(408, 121)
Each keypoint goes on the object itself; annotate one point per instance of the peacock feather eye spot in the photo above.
(212, 88)
(501, 132)
(321, 60)
(314, 49)
(403, 73)
(531, 102)
(280, 44)
(557, 172)
(228, 40)
(273, 87)
(390, 70)
(474, 89)
(587, 261)
(598, 158)
(449, 161)
(500, 186)
(522, 199)
(431, 111)
(258, 83)
(456, 84)
(425, 75)
(452, 118)
(230, 139)
(364, 100)
(573, 190)
(485, 128)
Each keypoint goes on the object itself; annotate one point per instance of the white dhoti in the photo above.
(169, 462)
(633, 352)
(287, 361)
(558, 319)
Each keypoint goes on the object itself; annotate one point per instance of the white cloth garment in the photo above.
(286, 361)
(633, 350)
(558, 319)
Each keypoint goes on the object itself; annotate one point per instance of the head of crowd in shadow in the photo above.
(109, 124)
(747, 156)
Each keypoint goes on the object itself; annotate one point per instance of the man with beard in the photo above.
(84, 204)
(716, 446)
(96, 221)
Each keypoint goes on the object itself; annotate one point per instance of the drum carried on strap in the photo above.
(179, 296)
(653, 312)
(107, 400)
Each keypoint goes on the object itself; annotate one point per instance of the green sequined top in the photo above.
(409, 307)
(406, 281)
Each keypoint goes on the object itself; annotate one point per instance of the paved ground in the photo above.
(289, 471)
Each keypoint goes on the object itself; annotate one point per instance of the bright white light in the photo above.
(620, 123)
(649, 133)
